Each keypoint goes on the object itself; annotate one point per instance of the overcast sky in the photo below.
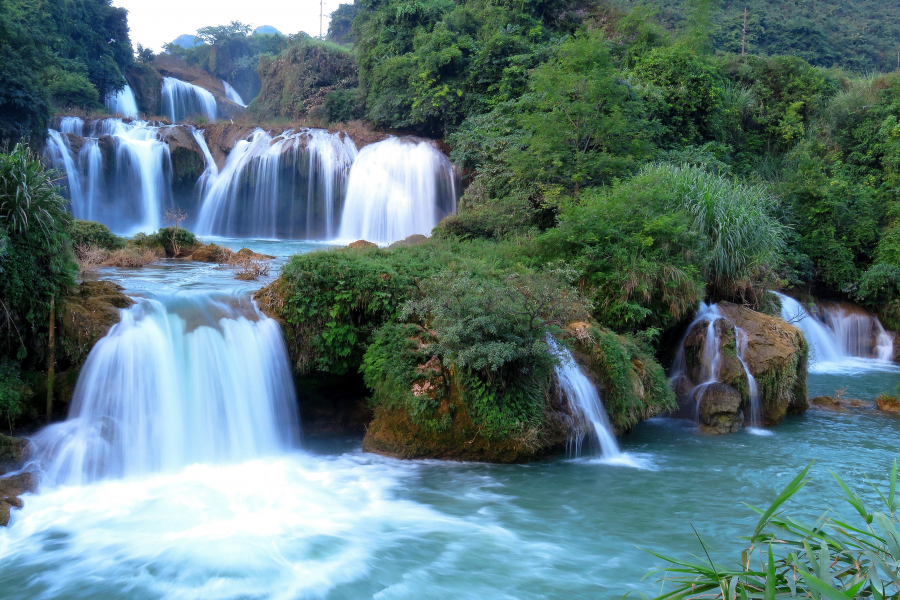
(155, 22)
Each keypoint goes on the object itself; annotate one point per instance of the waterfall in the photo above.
(73, 125)
(839, 337)
(182, 379)
(122, 103)
(289, 186)
(397, 188)
(711, 363)
(584, 398)
(232, 94)
(181, 100)
(120, 175)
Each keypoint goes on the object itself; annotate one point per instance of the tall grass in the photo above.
(740, 234)
(830, 559)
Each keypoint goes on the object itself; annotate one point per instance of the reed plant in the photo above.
(831, 558)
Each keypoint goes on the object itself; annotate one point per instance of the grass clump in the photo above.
(789, 558)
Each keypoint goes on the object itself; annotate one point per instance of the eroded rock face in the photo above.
(720, 409)
(887, 404)
(775, 354)
(10, 490)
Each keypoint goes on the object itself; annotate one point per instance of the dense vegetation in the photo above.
(59, 55)
(860, 35)
(37, 267)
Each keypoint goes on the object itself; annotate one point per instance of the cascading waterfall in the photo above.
(711, 362)
(73, 125)
(122, 103)
(288, 186)
(591, 420)
(135, 188)
(183, 379)
(839, 336)
(397, 188)
(232, 94)
(181, 100)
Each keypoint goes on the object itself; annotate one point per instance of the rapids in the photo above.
(321, 519)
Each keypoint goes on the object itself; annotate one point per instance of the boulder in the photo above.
(362, 244)
(10, 490)
(13, 451)
(720, 409)
(775, 353)
(826, 403)
(887, 404)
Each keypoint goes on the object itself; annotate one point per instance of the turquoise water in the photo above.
(328, 521)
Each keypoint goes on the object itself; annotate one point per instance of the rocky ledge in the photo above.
(775, 353)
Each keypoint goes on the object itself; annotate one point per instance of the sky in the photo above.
(155, 22)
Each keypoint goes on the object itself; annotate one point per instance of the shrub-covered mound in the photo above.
(450, 339)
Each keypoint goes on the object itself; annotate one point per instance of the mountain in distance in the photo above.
(266, 29)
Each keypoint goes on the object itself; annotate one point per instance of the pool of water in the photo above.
(328, 521)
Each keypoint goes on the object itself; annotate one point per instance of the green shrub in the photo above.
(10, 392)
(91, 233)
(37, 263)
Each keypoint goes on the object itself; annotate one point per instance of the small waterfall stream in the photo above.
(839, 337)
(182, 100)
(182, 379)
(232, 94)
(122, 103)
(397, 188)
(711, 361)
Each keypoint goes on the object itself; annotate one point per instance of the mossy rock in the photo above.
(13, 451)
(632, 384)
(146, 83)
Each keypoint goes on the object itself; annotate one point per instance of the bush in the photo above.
(11, 387)
(91, 233)
(37, 263)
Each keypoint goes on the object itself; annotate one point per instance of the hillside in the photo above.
(860, 35)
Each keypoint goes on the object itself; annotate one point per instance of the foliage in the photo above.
(633, 383)
(309, 76)
(91, 233)
(69, 52)
(860, 35)
(11, 387)
(831, 558)
(583, 125)
(428, 65)
(36, 260)
(340, 27)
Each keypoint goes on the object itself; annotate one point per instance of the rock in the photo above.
(720, 409)
(146, 84)
(13, 452)
(826, 403)
(887, 404)
(362, 244)
(247, 253)
(776, 355)
(10, 490)
(413, 240)
(730, 368)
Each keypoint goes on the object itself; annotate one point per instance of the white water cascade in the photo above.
(591, 420)
(840, 338)
(232, 94)
(397, 188)
(289, 186)
(122, 103)
(711, 363)
(181, 100)
(184, 379)
(120, 175)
